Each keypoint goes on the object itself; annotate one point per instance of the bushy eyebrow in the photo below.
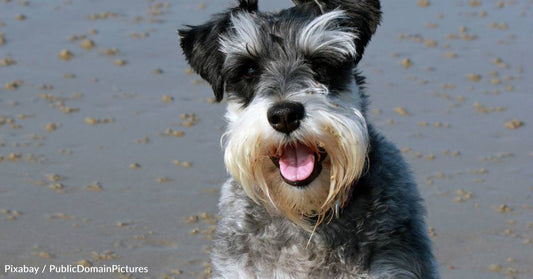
(324, 35)
(243, 37)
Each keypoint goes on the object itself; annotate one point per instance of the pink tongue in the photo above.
(297, 163)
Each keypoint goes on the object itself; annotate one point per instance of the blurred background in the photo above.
(109, 144)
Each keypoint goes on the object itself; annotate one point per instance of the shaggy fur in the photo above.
(359, 214)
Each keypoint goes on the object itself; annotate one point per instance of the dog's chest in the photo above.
(274, 253)
(252, 244)
(284, 255)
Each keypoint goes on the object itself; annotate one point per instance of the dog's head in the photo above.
(297, 137)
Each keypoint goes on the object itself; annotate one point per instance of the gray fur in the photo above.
(260, 59)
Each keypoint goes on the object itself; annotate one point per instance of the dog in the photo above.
(315, 191)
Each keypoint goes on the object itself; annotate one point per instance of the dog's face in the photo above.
(296, 138)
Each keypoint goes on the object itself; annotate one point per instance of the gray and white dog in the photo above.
(315, 191)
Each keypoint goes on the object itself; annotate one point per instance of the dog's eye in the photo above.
(252, 71)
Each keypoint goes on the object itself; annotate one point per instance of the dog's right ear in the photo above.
(201, 46)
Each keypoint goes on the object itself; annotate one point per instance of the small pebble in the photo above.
(120, 62)
(87, 44)
(66, 55)
(495, 267)
(474, 77)
(423, 3)
(167, 99)
(514, 124)
(50, 127)
(406, 63)
(401, 111)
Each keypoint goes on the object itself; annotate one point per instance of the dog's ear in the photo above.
(364, 16)
(201, 48)
(201, 45)
(248, 5)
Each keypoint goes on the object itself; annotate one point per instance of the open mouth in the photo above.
(298, 164)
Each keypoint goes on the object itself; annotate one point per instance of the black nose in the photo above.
(285, 117)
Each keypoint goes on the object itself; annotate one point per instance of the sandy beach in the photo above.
(110, 151)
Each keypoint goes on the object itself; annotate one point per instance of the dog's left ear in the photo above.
(364, 16)
(201, 45)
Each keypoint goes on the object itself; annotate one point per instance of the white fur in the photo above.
(321, 35)
(244, 37)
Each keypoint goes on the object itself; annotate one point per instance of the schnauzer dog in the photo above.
(315, 191)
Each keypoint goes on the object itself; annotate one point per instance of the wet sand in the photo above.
(109, 145)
